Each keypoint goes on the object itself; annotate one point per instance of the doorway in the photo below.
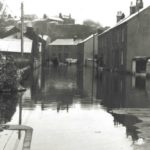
(139, 65)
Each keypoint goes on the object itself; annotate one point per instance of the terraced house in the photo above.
(126, 46)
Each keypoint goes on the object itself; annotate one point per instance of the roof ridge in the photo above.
(124, 20)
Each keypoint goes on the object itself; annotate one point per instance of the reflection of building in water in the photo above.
(58, 86)
(51, 87)
(8, 103)
(80, 86)
(128, 121)
(139, 82)
(86, 85)
(111, 89)
(36, 84)
(119, 91)
(33, 92)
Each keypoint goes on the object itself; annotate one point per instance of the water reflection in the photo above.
(139, 83)
(121, 91)
(127, 98)
(58, 88)
(128, 121)
(8, 108)
(70, 103)
(8, 103)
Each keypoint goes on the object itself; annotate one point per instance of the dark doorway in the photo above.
(141, 65)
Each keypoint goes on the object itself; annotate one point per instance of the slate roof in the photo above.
(14, 45)
(88, 38)
(48, 19)
(125, 20)
(65, 42)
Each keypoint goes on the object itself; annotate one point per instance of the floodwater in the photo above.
(67, 108)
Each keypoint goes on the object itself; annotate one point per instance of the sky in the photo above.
(102, 11)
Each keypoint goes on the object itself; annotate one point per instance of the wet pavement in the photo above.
(67, 108)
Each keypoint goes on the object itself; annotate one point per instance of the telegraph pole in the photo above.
(93, 66)
(22, 29)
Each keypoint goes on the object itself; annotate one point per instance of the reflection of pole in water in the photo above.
(43, 87)
(20, 115)
(93, 67)
(80, 81)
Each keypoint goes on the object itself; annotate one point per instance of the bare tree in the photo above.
(92, 23)
(1, 5)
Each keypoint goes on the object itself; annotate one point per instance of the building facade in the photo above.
(62, 49)
(67, 19)
(10, 46)
(88, 49)
(112, 48)
(34, 45)
(125, 47)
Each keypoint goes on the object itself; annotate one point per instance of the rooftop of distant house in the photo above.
(65, 16)
(30, 16)
(66, 42)
(13, 45)
(49, 19)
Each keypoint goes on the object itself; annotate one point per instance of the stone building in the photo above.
(87, 50)
(125, 47)
(11, 46)
(62, 49)
(67, 19)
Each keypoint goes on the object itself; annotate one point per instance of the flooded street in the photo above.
(67, 108)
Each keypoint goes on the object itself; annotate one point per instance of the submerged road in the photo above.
(69, 109)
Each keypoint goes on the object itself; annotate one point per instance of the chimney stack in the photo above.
(120, 16)
(139, 4)
(132, 8)
(60, 15)
(75, 38)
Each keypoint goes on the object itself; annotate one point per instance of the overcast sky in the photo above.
(102, 11)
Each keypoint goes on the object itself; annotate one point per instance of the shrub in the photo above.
(8, 74)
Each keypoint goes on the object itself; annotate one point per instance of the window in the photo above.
(59, 48)
(122, 55)
(101, 42)
(123, 35)
(66, 48)
(53, 54)
(66, 55)
(118, 38)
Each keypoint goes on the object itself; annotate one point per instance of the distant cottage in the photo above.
(126, 46)
(67, 19)
(62, 49)
(11, 46)
(34, 45)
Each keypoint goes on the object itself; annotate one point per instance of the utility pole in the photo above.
(93, 66)
(22, 29)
